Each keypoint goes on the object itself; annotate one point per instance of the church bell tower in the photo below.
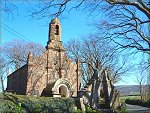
(54, 35)
(55, 51)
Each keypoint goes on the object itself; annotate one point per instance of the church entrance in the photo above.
(63, 90)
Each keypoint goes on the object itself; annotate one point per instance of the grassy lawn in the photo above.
(123, 98)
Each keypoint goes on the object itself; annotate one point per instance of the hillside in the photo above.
(128, 89)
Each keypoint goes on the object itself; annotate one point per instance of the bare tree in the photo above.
(127, 29)
(125, 22)
(9, 8)
(141, 79)
(95, 52)
(16, 52)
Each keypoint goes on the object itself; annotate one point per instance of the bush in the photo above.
(88, 109)
(123, 108)
(91, 110)
(147, 103)
(78, 111)
(23, 104)
(138, 102)
(9, 107)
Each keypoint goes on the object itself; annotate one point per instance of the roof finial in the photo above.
(29, 57)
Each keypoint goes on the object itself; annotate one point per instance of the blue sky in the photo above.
(74, 25)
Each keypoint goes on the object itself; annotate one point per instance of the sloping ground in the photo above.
(27, 104)
(128, 89)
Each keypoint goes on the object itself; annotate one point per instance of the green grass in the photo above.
(123, 98)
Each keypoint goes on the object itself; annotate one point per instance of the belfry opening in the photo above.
(57, 30)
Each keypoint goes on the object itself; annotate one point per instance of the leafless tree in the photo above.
(126, 28)
(94, 52)
(9, 8)
(16, 52)
(123, 22)
(141, 80)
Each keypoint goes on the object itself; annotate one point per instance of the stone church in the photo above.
(51, 74)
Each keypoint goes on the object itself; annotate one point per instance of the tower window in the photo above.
(57, 30)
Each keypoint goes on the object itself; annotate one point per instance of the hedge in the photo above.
(24, 104)
(138, 102)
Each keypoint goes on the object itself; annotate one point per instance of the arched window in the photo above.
(57, 30)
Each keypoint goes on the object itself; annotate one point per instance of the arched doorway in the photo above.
(63, 90)
(62, 87)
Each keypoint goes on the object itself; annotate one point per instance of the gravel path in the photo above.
(137, 109)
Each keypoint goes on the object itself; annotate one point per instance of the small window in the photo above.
(57, 30)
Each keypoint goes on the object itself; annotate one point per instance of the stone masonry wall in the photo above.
(17, 81)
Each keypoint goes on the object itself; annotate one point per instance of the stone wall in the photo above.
(16, 82)
(37, 75)
(45, 69)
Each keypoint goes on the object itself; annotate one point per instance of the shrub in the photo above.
(123, 109)
(138, 102)
(79, 111)
(88, 109)
(9, 107)
(24, 104)
(147, 103)
(91, 110)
